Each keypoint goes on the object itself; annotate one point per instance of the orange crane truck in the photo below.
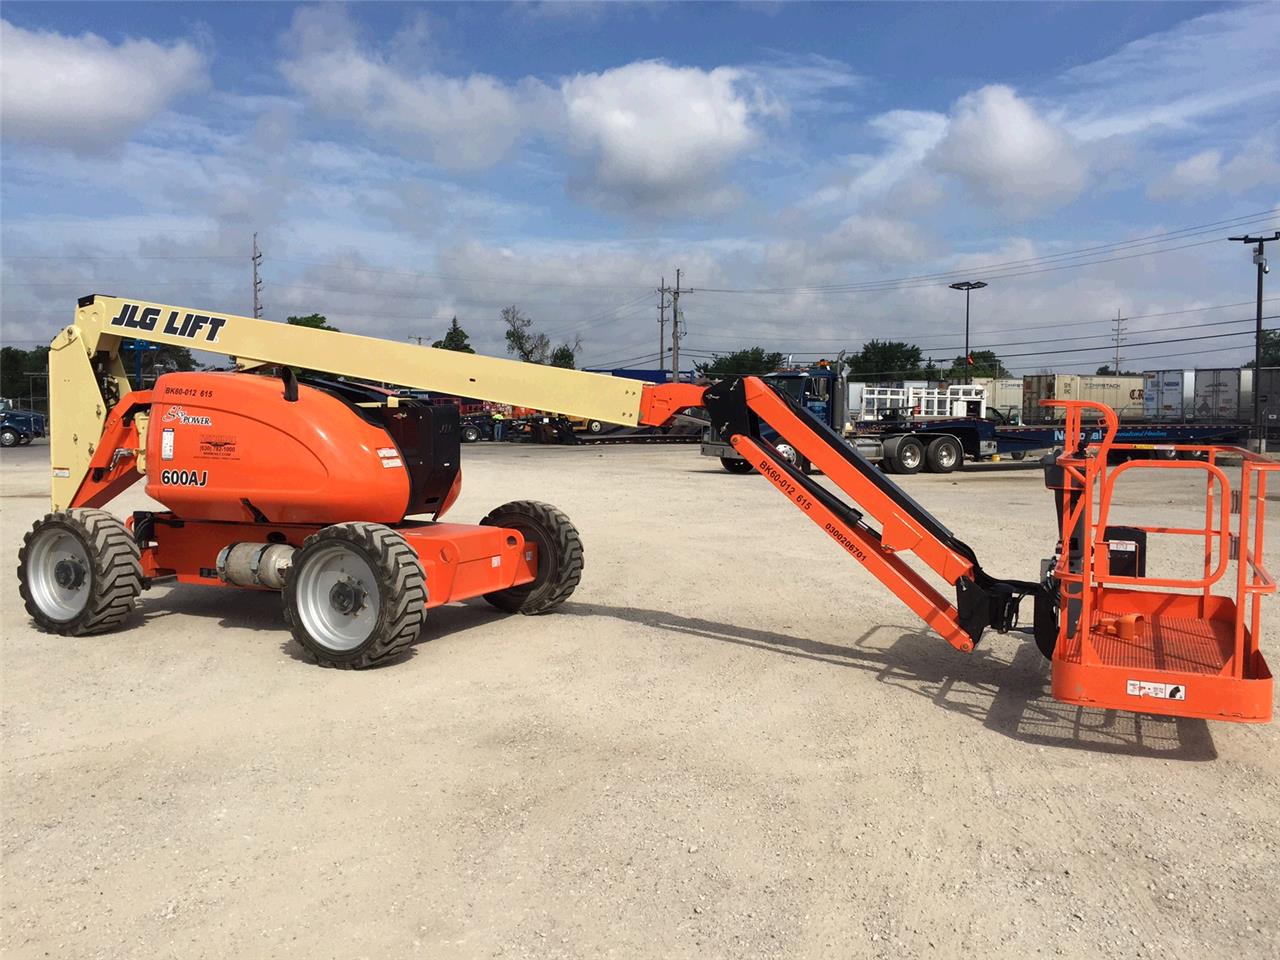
(269, 484)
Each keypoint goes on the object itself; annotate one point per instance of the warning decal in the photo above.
(1160, 691)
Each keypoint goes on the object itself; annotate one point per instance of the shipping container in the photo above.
(1168, 395)
(1121, 394)
(1269, 400)
(1223, 394)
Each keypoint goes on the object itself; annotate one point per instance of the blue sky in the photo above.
(403, 163)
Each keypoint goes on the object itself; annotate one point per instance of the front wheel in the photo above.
(355, 595)
(79, 572)
(8, 437)
(559, 556)
(595, 426)
(736, 465)
(470, 434)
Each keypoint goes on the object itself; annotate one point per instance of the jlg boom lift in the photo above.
(271, 484)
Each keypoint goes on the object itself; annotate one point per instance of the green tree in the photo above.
(1270, 349)
(1106, 371)
(455, 338)
(565, 355)
(15, 364)
(887, 360)
(985, 364)
(740, 363)
(523, 342)
(316, 321)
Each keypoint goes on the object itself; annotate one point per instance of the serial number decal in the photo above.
(189, 326)
(186, 392)
(783, 483)
(842, 538)
(185, 478)
(178, 415)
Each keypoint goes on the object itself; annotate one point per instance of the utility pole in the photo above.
(1260, 259)
(419, 339)
(1118, 322)
(662, 323)
(257, 279)
(677, 329)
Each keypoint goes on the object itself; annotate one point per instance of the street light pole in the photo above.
(1259, 258)
(967, 286)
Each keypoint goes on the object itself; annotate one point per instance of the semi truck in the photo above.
(906, 431)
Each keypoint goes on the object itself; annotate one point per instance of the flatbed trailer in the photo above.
(941, 445)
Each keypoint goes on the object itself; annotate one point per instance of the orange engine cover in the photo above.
(224, 445)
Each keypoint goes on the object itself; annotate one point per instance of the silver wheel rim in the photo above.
(787, 452)
(338, 598)
(910, 457)
(59, 573)
(946, 455)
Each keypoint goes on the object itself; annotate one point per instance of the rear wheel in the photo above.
(944, 455)
(736, 465)
(355, 595)
(559, 556)
(79, 572)
(908, 458)
(470, 434)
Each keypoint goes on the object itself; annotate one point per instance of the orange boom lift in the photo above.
(336, 501)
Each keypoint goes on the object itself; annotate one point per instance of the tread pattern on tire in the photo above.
(115, 582)
(401, 583)
(563, 577)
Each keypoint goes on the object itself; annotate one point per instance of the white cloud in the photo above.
(909, 136)
(1203, 67)
(84, 92)
(658, 137)
(1010, 156)
(464, 123)
(1204, 173)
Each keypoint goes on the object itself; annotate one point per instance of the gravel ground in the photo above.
(730, 742)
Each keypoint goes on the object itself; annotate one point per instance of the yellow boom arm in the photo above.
(78, 409)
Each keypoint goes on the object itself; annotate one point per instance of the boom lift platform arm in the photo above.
(357, 571)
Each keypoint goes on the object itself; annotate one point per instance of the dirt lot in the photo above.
(731, 742)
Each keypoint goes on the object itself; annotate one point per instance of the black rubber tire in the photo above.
(595, 426)
(115, 577)
(944, 455)
(912, 465)
(736, 465)
(401, 584)
(8, 438)
(470, 434)
(560, 557)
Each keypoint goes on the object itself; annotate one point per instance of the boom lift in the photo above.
(273, 484)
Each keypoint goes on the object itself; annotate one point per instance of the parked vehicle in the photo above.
(20, 427)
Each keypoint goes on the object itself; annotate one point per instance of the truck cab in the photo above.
(819, 389)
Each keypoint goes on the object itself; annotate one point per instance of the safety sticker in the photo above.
(397, 462)
(1159, 691)
(62, 473)
(388, 452)
(166, 444)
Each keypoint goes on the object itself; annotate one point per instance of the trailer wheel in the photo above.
(908, 458)
(595, 426)
(559, 556)
(79, 572)
(944, 455)
(736, 465)
(355, 595)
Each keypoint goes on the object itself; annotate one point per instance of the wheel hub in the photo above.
(68, 574)
(347, 597)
